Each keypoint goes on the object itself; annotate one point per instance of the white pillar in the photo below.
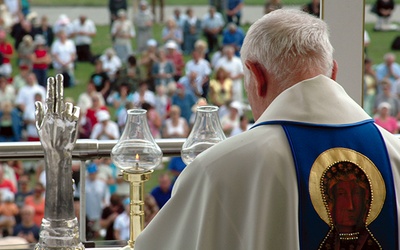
(346, 22)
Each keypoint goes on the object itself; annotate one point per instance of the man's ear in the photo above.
(260, 76)
(334, 70)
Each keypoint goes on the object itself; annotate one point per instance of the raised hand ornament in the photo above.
(57, 123)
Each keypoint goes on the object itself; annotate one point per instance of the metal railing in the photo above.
(85, 149)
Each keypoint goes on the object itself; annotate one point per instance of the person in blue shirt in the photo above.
(234, 36)
(10, 123)
(388, 69)
(162, 193)
(234, 11)
(176, 166)
(184, 100)
(27, 229)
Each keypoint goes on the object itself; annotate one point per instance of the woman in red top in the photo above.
(41, 60)
(36, 200)
(6, 50)
(90, 118)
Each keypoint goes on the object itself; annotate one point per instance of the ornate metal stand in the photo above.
(60, 235)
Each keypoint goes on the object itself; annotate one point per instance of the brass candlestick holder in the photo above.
(136, 213)
(136, 154)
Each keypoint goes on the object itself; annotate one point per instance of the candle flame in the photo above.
(137, 157)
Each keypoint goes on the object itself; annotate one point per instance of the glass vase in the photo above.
(136, 150)
(206, 132)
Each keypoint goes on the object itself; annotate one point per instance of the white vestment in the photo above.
(242, 193)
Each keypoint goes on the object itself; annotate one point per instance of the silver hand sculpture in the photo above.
(57, 123)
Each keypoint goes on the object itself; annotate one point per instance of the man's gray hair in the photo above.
(289, 44)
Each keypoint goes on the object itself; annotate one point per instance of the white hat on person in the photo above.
(39, 40)
(171, 45)
(384, 105)
(151, 43)
(237, 105)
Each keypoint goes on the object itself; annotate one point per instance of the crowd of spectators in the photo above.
(169, 78)
(382, 92)
(195, 62)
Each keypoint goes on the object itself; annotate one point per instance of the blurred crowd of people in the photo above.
(196, 62)
(382, 92)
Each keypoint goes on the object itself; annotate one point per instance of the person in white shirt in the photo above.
(234, 66)
(63, 23)
(143, 94)
(84, 30)
(201, 67)
(85, 99)
(122, 223)
(97, 197)
(179, 17)
(123, 32)
(25, 100)
(7, 91)
(63, 51)
(213, 23)
(104, 129)
(243, 126)
(111, 63)
(231, 120)
(29, 119)
(144, 24)
(13, 7)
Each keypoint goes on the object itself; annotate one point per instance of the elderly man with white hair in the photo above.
(314, 172)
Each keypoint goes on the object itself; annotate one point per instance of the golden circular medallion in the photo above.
(337, 155)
